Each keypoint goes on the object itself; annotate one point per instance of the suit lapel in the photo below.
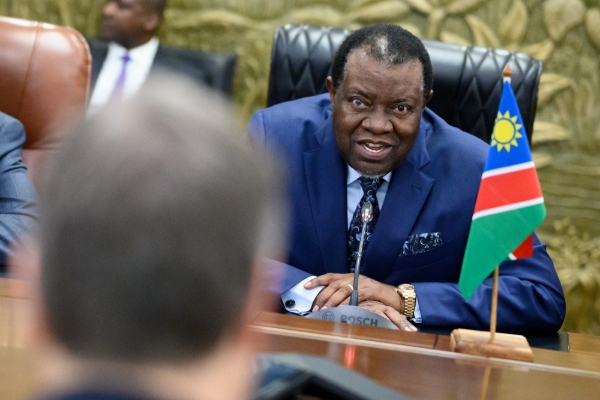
(159, 58)
(325, 172)
(98, 50)
(406, 195)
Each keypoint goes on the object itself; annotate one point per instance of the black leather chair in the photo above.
(467, 80)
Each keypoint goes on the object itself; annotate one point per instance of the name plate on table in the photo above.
(352, 315)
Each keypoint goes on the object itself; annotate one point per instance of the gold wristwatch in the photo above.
(408, 294)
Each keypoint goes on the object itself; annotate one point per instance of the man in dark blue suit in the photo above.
(372, 138)
(18, 199)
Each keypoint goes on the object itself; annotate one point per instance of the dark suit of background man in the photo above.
(18, 199)
(129, 28)
(154, 223)
(374, 122)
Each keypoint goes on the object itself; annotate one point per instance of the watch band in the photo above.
(408, 294)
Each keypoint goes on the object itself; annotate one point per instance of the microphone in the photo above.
(366, 212)
(352, 314)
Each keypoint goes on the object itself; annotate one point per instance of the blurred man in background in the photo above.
(155, 221)
(128, 50)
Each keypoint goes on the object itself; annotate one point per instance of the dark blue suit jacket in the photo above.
(18, 199)
(432, 190)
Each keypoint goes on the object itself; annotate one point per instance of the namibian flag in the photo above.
(509, 204)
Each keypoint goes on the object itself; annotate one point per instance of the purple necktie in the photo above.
(118, 90)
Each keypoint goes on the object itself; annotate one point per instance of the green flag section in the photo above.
(486, 250)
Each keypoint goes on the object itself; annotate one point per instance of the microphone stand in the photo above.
(366, 212)
(353, 314)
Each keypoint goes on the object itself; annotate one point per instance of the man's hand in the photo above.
(338, 290)
(389, 313)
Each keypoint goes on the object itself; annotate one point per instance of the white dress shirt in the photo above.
(304, 298)
(136, 72)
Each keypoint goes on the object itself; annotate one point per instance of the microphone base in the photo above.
(352, 315)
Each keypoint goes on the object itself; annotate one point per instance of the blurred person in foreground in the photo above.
(155, 219)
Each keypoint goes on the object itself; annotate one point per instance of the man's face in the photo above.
(376, 112)
(128, 22)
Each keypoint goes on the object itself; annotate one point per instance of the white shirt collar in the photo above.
(143, 54)
(353, 175)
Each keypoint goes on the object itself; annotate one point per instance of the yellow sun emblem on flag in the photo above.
(506, 132)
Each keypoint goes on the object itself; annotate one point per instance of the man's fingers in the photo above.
(389, 313)
(343, 293)
(332, 296)
(377, 310)
(323, 280)
(399, 320)
(322, 297)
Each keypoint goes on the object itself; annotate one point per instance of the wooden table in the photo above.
(16, 378)
(419, 365)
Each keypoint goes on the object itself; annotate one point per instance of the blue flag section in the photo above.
(509, 142)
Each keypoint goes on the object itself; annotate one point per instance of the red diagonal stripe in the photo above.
(525, 249)
(509, 188)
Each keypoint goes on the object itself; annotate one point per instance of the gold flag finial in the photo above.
(507, 72)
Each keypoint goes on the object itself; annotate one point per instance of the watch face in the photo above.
(406, 286)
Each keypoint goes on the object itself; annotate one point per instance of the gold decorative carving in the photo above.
(562, 15)
(514, 25)
(550, 85)
(592, 25)
(577, 260)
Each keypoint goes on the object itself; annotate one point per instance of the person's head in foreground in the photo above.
(379, 86)
(131, 23)
(155, 219)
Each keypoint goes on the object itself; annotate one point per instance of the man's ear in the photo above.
(152, 22)
(428, 98)
(332, 90)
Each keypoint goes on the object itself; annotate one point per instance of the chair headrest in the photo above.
(44, 75)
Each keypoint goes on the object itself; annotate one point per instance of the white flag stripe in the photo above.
(506, 170)
(510, 207)
(512, 257)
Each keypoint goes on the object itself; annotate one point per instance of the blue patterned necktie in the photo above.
(369, 187)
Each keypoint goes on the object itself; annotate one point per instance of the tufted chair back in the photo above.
(467, 80)
(44, 79)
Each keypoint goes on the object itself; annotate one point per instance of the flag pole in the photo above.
(481, 343)
(485, 382)
(494, 313)
(507, 74)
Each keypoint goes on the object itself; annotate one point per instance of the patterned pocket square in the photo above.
(424, 242)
